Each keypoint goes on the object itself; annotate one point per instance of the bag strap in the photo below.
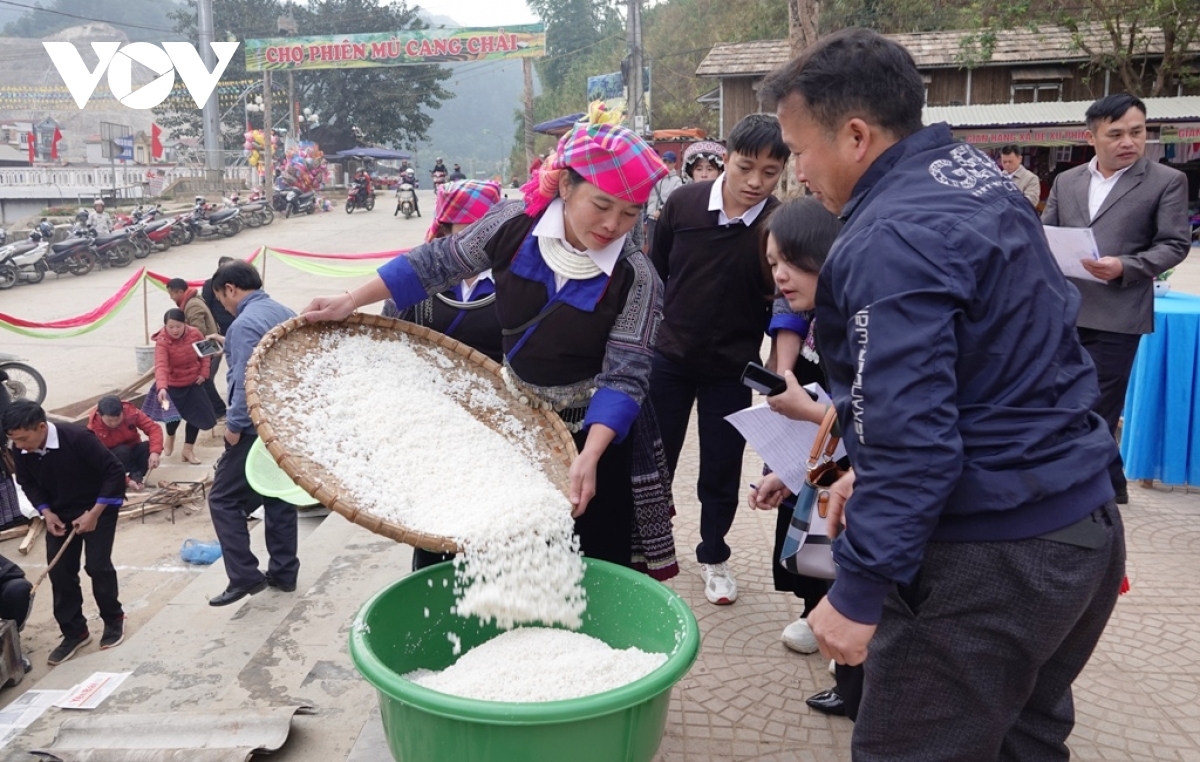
(825, 444)
(551, 307)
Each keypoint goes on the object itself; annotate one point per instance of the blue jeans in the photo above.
(673, 391)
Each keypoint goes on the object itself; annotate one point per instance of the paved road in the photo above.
(83, 366)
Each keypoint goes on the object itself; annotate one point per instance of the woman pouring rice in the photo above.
(578, 305)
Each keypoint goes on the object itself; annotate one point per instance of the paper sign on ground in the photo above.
(23, 711)
(783, 444)
(91, 692)
(1069, 246)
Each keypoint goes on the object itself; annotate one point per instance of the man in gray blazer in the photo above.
(1137, 211)
(1028, 182)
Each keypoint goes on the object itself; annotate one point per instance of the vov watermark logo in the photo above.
(165, 61)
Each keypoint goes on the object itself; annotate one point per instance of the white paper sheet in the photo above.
(23, 711)
(91, 692)
(783, 444)
(1069, 246)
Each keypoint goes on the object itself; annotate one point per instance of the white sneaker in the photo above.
(833, 667)
(798, 636)
(719, 585)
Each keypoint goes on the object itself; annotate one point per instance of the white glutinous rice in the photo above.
(391, 419)
(539, 664)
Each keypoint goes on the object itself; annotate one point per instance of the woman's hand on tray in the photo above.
(336, 307)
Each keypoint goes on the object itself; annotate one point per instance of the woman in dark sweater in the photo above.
(798, 238)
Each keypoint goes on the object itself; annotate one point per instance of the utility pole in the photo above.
(527, 66)
(292, 133)
(636, 87)
(214, 164)
(268, 135)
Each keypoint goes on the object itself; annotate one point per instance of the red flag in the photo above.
(54, 142)
(32, 147)
(156, 148)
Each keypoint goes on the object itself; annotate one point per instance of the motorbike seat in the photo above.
(254, 207)
(157, 225)
(222, 215)
(68, 245)
(110, 238)
(24, 247)
(303, 197)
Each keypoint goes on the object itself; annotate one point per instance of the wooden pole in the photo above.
(527, 67)
(145, 311)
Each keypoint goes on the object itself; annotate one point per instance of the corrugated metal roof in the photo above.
(1185, 109)
(931, 50)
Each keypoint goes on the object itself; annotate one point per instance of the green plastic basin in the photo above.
(392, 636)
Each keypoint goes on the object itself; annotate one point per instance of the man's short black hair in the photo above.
(23, 415)
(853, 73)
(224, 260)
(238, 274)
(1012, 149)
(177, 284)
(1111, 108)
(110, 405)
(756, 134)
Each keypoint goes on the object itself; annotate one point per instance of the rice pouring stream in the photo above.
(390, 419)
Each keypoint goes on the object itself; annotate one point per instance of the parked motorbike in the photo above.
(406, 200)
(23, 262)
(256, 213)
(21, 380)
(224, 222)
(114, 249)
(358, 198)
(300, 203)
(74, 255)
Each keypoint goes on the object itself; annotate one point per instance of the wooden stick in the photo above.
(35, 530)
(53, 561)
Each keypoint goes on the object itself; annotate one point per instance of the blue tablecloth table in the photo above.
(1160, 437)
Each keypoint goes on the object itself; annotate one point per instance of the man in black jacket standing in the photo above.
(983, 551)
(75, 482)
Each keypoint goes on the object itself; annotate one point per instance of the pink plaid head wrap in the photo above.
(463, 202)
(609, 156)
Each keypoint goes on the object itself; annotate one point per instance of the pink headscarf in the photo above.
(463, 202)
(609, 156)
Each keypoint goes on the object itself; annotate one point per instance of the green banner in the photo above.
(425, 46)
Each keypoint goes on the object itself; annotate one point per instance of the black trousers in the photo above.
(230, 501)
(606, 528)
(975, 659)
(64, 577)
(673, 391)
(134, 458)
(1112, 354)
(14, 600)
(210, 386)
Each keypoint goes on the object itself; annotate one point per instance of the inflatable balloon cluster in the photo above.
(253, 147)
(304, 168)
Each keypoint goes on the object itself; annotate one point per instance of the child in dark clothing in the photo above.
(707, 250)
(75, 482)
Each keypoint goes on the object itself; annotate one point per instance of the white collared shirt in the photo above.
(1100, 186)
(551, 225)
(468, 289)
(716, 203)
(51, 439)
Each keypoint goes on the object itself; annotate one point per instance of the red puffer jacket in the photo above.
(175, 361)
(133, 422)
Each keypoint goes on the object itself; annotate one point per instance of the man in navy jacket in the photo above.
(982, 552)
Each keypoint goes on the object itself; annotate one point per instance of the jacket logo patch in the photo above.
(862, 334)
(967, 168)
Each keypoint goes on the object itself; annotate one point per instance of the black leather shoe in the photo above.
(235, 594)
(272, 582)
(1122, 496)
(828, 702)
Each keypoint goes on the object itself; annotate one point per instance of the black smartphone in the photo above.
(762, 380)
(208, 347)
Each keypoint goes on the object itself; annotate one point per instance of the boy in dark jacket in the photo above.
(708, 251)
(983, 551)
(76, 483)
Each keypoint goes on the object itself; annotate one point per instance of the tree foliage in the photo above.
(387, 105)
(1149, 44)
(573, 29)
